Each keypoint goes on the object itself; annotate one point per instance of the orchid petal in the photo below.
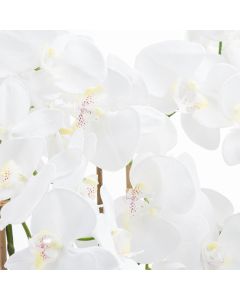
(66, 214)
(117, 137)
(18, 209)
(231, 148)
(204, 136)
(39, 123)
(158, 134)
(14, 102)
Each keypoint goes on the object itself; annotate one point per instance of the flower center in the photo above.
(188, 97)
(46, 248)
(134, 197)
(87, 109)
(213, 257)
(88, 187)
(10, 175)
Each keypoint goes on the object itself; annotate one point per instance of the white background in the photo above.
(130, 15)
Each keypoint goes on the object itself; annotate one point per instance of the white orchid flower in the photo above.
(21, 50)
(42, 88)
(112, 135)
(124, 86)
(223, 252)
(64, 164)
(15, 169)
(159, 184)
(75, 63)
(14, 104)
(39, 123)
(211, 38)
(203, 221)
(158, 134)
(60, 218)
(224, 42)
(181, 76)
(231, 106)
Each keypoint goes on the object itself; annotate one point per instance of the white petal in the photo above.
(21, 260)
(231, 148)
(217, 75)
(72, 180)
(158, 134)
(41, 87)
(76, 63)
(123, 85)
(229, 238)
(230, 97)
(39, 123)
(167, 180)
(19, 149)
(189, 163)
(65, 214)
(167, 265)
(165, 104)
(160, 64)
(92, 258)
(153, 238)
(222, 207)
(18, 209)
(117, 137)
(204, 136)
(66, 161)
(21, 49)
(212, 115)
(14, 101)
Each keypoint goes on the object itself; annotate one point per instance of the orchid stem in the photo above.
(100, 183)
(147, 267)
(27, 231)
(220, 44)
(86, 239)
(128, 182)
(10, 241)
(3, 249)
(173, 113)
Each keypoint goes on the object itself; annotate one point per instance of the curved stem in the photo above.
(27, 231)
(173, 113)
(100, 183)
(128, 182)
(10, 241)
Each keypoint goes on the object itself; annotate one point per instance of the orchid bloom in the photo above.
(15, 170)
(14, 104)
(23, 202)
(112, 132)
(223, 252)
(21, 50)
(228, 40)
(229, 93)
(203, 221)
(143, 231)
(60, 218)
(180, 75)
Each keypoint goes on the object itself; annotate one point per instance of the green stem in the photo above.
(10, 242)
(27, 231)
(220, 45)
(171, 114)
(85, 239)
(147, 267)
